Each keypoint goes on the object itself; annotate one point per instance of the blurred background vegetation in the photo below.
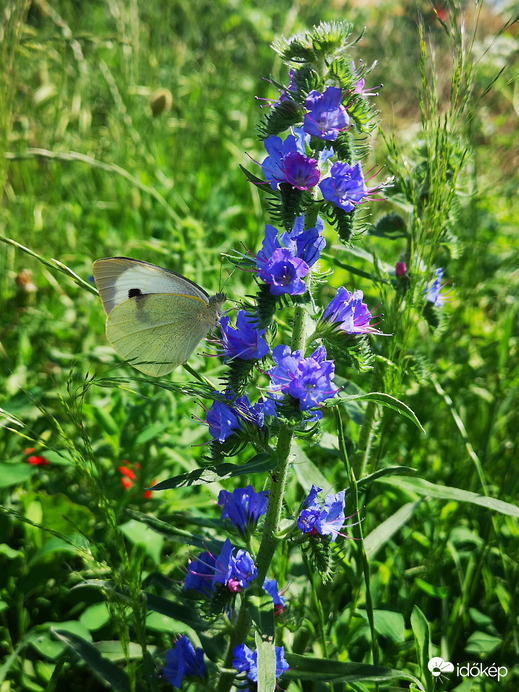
(123, 124)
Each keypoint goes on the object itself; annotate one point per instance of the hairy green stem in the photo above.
(269, 539)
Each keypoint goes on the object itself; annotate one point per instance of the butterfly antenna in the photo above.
(236, 266)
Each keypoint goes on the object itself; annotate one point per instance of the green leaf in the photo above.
(306, 471)
(63, 515)
(177, 611)
(431, 590)
(422, 640)
(95, 616)
(390, 624)
(385, 400)
(266, 664)
(446, 492)
(385, 531)
(108, 672)
(47, 646)
(151, 432)
(324, 670)
(262, 613)
(59, 457)
(139, 534)
(481, 644)
(14, 474)
(261, 463)
(175, 533)
(388, 471)
(72, 544)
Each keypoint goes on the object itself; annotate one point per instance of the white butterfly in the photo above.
(155, 318)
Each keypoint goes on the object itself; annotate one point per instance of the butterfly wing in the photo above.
(119, 278)
(158, 332)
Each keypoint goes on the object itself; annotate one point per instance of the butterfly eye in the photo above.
(134, 292)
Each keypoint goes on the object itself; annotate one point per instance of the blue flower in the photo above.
(269, 245)
(243, 571)
(224, 564)
(307, 245)
(286, 163)
(345, 187)
(326, 117)
(200, 573)
(347, 313)
(243, 507)
(243, 659)
(433, 293)
(246, 660)
(271, 587)
(284, 261)
(243, 341)
(234, 572)
(285, 273)
(222, 420)
(331, 519)
(325, 520)
(183, 660)
(307, 379)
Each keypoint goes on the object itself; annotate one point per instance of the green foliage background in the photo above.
(90, 171)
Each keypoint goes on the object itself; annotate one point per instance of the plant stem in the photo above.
(269, 540)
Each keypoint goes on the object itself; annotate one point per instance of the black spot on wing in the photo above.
(134, 292)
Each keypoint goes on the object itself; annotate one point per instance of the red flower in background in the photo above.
(35, 459)
(128, 477)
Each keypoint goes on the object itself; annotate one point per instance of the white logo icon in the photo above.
(438, 666)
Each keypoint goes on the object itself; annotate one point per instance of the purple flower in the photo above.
(326, 117)
(433, 293)
(222, 420)
(400, 269)
(360, 84)
(247, 660)
(347, 313)
(324, 520)
(271, 587)
(291, 87)
(300, 171)
(243, 341)
(284, 261)
(243, 507)
(285, 163)
(183, 660)
(307, 379)
(285, 273)
(345, 187)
